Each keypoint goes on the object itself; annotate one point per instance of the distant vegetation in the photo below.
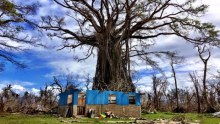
(27, 103)
(190, 99)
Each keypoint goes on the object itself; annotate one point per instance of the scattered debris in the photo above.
(109, 114)
(72, 121)
(65, 121)
(91, 113)
(210, 110)
(216, 114)
(166, 121)
(131, 121)
(117, 122)
(179, 110)
(179, 118)
(143, 121)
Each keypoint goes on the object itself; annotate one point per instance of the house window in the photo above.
(112, 99)
(131, 99)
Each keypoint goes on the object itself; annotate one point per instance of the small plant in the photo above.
(179, 118)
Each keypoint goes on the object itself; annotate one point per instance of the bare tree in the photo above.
(217, 87)
(159, 85)
(29, 103)
(88, 81)
(215, 90)
(212, 94)
(205, 54)
(189, 97)
(47, 98)
(175, 59)
(195, 81)
(9, 99)
(119, 30)
(72, 83)
(1, 103)
(155, 98)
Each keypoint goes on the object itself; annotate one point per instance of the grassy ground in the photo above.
(27, 119)
(48, 119)
(190, 117)
(18, 118)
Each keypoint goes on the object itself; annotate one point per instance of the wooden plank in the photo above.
(69, 99)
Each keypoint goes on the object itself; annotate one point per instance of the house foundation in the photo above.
(117, 110)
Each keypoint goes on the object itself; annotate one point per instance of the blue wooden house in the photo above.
(74, 102)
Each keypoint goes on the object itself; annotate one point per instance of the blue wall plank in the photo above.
(138, 99)
(96, 97)
(75, 97)
(63, 97)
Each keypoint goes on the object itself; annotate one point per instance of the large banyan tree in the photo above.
(121, 29)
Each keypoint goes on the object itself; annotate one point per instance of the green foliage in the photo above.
(7, 7)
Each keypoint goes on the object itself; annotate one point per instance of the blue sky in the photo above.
(43, 64)
(33, 76)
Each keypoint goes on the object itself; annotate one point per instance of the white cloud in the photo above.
(143, 89)
(1, 87)
(35, 91)
(212, 14)
(64, 67)
(144, 84)
(18, 88)
(63, 63)
(16, 82)
(55, 91)
(44, 1)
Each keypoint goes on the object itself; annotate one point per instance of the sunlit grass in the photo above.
(27, 119)
(49, 119)
(190, 117)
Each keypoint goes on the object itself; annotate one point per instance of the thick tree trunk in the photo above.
(111, 70)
